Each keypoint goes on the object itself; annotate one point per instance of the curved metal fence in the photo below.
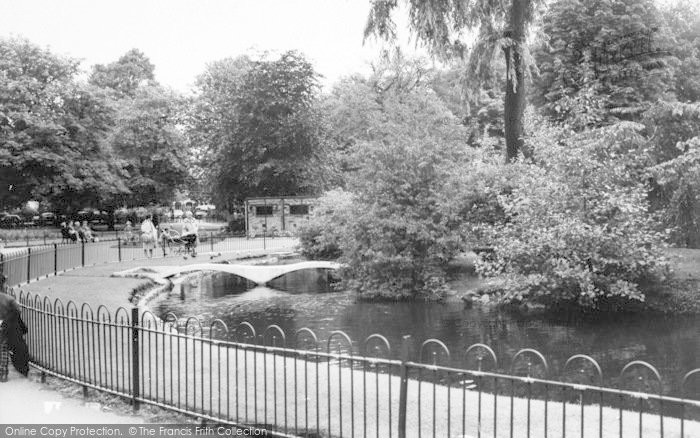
(22, 265)
(295, 384)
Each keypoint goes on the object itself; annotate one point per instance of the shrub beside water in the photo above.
(396, 234)
(320, 238)
(578, 230)
(569, 225)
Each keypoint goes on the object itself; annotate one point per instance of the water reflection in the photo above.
(670, 344)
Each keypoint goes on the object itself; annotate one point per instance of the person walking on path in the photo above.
(149, 236)
(12, 331)
(86, 232)
(72, 232)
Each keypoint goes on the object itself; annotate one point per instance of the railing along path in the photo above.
(294, 384)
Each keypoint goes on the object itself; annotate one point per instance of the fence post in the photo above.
(82, 252)
(211, 241)
(55, 259)
(135, 367)
(29, 264)
(406, 344)
(119, 248)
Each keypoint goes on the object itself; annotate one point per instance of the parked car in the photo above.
(10, 221)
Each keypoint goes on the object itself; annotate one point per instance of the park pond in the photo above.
(306, 299)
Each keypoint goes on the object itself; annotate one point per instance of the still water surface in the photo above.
(304, 299)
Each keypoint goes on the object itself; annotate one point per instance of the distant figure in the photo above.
(156, 223)
(149, 236)
(87, 232)
(65, 233)
(189, 233)
(79, 230)
(129, 231)
(12, 342)
(72, 232)
(165, 238)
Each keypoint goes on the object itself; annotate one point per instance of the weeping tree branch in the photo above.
(443, 24)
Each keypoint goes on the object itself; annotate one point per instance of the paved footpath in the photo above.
(27, 400)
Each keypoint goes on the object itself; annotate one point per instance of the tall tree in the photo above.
(502, 26)
(600, 61)
(52, 131)
(479, 108)
(125, 75)
(145, 138)
(683, 19)
(259, 128)
(152, 148)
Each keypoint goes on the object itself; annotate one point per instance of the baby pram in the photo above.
(178, 244)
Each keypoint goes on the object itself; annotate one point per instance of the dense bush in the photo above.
(405, 228)
(578, 230)
(321, 237)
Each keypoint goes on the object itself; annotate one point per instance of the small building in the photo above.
(277, 215)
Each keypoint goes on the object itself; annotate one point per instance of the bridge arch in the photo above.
(259, 274)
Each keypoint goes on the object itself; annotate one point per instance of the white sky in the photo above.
(181, 36)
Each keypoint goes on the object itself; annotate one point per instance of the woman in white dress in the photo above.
(149, 236)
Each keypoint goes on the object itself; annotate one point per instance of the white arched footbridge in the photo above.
(260, 274)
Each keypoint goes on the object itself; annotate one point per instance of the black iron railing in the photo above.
(295, 385)
(25, 264)
(291, 384)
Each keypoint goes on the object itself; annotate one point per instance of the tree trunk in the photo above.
(515, 80)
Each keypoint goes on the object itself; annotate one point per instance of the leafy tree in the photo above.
(577, 229)
(402, 233)
(152, 149)
(125, 75)
(501, 24)
(398, 226)
(52, 131)
(259, 128)
(683, 21)
(352, 111)
(320, 238)
(599, 63)
(145, 139)
(673, 131)
(478, 106)
(366, 109)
